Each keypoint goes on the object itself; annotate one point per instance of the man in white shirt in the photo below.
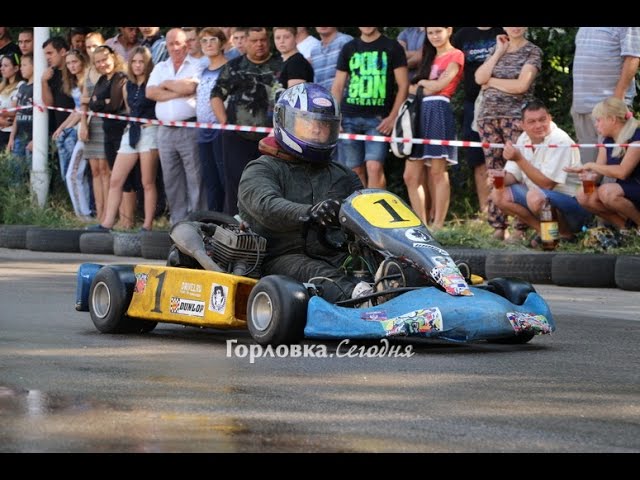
(533, 174)
(172, 85)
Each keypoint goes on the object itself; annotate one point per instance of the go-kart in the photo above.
(213, 280)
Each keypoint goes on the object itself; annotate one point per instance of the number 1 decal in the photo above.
(156, 307)
(385, 210)
(396, 217)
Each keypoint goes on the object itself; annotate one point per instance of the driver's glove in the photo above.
(325, 213)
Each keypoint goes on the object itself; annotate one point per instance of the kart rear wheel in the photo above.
(140, 326)
(516, 291)
(109, 298)
(277, 311)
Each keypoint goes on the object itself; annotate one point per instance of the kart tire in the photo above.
(109, 298)
(155, 244)
(516, 291)
(584, 270)
(627, 273)
(127, 244)
(140, 326)
(532, 267)
(96, 243)
(475, 258)
(217, 218)
(53, 240)
(14, 236)
(277, 311)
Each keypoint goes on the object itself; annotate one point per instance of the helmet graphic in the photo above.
(306, 122)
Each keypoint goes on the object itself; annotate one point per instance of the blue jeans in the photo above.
(568, 206)
(20, 164)
(353, 153)
(78, 182)
(213, 172)
(66, 143)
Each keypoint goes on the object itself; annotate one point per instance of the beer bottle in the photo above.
(549, 232)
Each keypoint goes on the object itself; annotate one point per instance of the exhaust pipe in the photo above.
(188, 238)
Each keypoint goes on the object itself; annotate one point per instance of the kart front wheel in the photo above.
(277, 310)
(109, 298)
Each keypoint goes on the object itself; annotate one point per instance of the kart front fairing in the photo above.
(431, 313)
(383, 221)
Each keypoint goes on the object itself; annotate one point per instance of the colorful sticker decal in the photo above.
(417, 235)
(418, 322)
(218, 300)
(446, 273)
(185, 306)
(529, 322)
(374, 316)
(322, 102)
(141, 282)
(188, 288)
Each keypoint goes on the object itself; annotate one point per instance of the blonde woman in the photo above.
(91, 132)
(618, 203)
(138, 142)
(108, 97)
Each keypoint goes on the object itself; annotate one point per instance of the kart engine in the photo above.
(236, 251)
(221, 248)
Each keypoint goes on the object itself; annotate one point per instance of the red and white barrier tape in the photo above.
(344, 136)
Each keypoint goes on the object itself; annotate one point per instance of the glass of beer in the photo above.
(498, 178)
(588, 181)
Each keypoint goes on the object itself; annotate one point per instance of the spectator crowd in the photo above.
(235, 75)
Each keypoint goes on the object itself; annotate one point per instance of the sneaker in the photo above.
(98, 229)
(389, 275)
(362, 289)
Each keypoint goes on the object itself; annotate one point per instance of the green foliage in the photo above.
(18, 205)
(474, 233)
(554, 84)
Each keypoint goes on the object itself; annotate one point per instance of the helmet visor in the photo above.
(316, 129)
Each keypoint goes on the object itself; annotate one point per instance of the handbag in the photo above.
(407, 122)
(477, 106)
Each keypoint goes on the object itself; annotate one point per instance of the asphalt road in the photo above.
(64, 387)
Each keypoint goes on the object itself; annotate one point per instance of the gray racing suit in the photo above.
(274, 198)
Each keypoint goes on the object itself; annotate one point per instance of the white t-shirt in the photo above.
(177, 109)
(550, 161)
(8, 100)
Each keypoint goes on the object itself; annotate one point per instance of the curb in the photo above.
(562, 269)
